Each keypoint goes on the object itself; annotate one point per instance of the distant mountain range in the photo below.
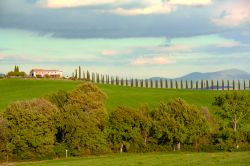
(231, 74)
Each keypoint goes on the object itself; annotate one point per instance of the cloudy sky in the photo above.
(137, 38)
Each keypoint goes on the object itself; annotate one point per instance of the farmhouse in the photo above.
(46, 73)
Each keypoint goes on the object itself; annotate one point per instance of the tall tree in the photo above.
(238, 84)
(244, 85)
(222, 84)
(76, 73)
(202, 85)
(146, 83)
(192, 86)
(156, 84)
(217, 84)
(171, 84)
(122, 82)
(176, 84)
(197, 85)
(166, 84)
(233, 85)
(80, 72)
(88, 75)
(181, 84)
(141, 82)
(207, 85)
(151, 83)
(212, 84)
(136, 82)
(132, 82)
(228, 85)
(161, 82)
(186, 84)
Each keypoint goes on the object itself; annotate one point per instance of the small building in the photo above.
(40, 73)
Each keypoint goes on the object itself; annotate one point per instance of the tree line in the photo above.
(161, 83)
(77, 121)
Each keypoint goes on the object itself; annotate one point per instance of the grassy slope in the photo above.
(227, 158)
(20, 89)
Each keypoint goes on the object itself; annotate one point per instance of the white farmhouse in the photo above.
(46, 73)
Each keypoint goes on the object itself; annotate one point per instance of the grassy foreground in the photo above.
(21, 89)
(227, 158)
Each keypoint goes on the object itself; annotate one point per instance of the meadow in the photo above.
(156, 159)
(22, 89)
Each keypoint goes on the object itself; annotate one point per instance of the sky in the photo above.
(128, 38)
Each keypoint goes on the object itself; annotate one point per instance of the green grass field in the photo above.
(21, 89)
(156, 159)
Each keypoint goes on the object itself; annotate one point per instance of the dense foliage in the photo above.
(77, 121)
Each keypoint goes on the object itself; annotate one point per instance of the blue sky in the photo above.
(129, 38)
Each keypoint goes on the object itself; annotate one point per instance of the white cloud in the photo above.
(190, 2)
(233, 14)
(74, 3)
(228, 44)
(157, 60)
(155, 9)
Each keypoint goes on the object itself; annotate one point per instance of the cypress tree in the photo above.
(17, 69)
(141, 82)
(244, 85)
(181, 84)
(73, 74)
(212, 84)
(228, 85)
(76, 73)
(126, 82)
(186, 84)
(156, 83)
(103, 79)
(161, 82)
(97, 78)
(217, 84)
(122, 82)
(132, 82)
(136, 82)
(238, 84)
(146, 83)
(166, 84)
(201, 84)
(222, 84)
(171, 84)
(233, 85)
(80, 72)
(197, 85)
(207, 85)
(117, 80)
(88, 76)
(83, 75)
(93, 77)
(151, 83)
(112, 80)
(192, 84)
(176, 84)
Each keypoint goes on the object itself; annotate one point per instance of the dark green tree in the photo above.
(161, 83)
(141, 82)
(166, 84)
(233, 85)
(151, 83)
(181, 84)
(244, 85)
(212, 84)
(238, 84)
(197, 85)
(80, 72)
(156, 84)
(228, 85)
(146, 83)
(176, 84)
(186, 84)
(171, 84)
(202, 85)
(222, 84)
(217, 84)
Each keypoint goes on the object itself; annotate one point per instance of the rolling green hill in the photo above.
(21, 89)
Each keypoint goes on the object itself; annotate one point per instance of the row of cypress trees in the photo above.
(151, 83)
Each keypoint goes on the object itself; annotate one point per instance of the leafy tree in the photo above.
(125, 129)
(36, 136)
(16, 72)
(82, 119)
(178, 122)
(3, 137)
(234, 107)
